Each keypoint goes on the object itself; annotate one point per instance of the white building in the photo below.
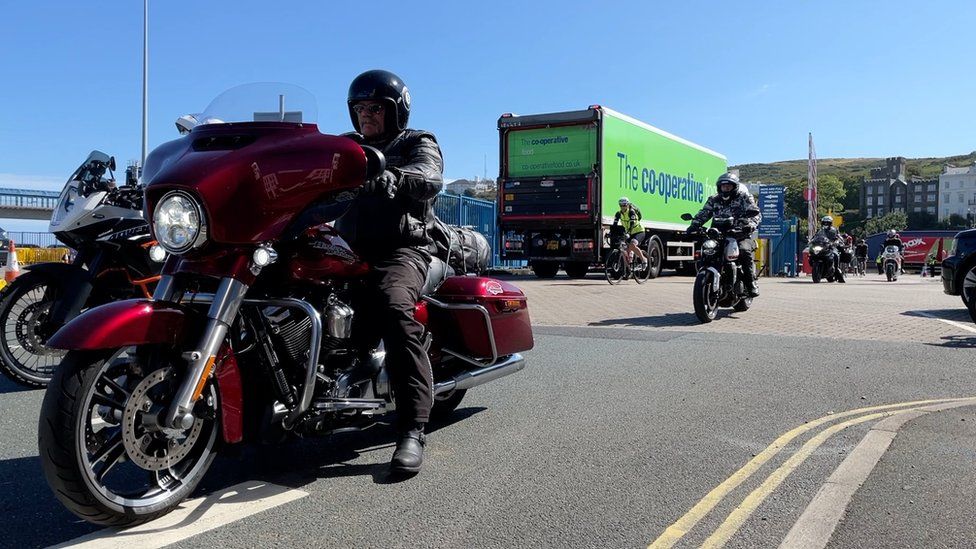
(958, 191)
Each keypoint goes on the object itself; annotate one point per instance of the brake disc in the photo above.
(148, 445)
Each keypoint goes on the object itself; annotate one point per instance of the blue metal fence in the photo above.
(482, 215)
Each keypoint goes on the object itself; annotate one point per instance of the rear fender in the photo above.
(124, 323)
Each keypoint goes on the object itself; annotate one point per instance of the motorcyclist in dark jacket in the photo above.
(894, 239)
(391, 218)
(732, 199)
(832, 236)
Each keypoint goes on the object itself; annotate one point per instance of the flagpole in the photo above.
(145, 80)
(811, 189)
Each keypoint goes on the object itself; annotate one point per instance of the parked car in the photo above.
(959, 270)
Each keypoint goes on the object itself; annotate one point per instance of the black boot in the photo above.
(409, 454)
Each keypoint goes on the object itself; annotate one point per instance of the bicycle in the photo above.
(617, 268)
(862, 266)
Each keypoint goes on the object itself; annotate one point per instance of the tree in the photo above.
(896, 220)
(830, 192)
(852, 191)
(955, 221)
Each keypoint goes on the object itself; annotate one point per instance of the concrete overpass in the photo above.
(27, 203)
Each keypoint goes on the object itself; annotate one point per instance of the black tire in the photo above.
(816, 273)
(890, 272)
(706, 302)
(742, 305)
(968, 291)
(655, 257)
(442, 409)
(840, 277)
(68, 408)
(577, 269)
(615, 268)
(23, 308)
(545, 269)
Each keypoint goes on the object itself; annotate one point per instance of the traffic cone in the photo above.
(12, 270)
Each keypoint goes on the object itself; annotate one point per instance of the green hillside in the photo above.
(845, 168)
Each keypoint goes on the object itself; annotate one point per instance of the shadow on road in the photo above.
(33, 517)
(956, 342)
(8, 386)
(956, 315)
(668, 319)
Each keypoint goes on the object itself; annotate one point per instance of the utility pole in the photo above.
(145, 81)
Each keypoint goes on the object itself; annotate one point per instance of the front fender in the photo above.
(123, 323)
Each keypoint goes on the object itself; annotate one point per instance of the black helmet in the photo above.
(727, 177)
(379, 85)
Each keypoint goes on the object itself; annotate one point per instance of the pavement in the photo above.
(631, 425)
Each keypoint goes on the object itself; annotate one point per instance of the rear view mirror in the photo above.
(111, 163)
(686, 216)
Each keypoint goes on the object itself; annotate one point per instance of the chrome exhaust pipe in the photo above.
(473, 378)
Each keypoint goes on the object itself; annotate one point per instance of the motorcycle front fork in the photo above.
(200, 361)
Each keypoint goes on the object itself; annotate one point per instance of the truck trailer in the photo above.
(561, 176)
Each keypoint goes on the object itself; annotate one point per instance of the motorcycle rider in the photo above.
(629, 218)
(861, 253)
(830, 233)
(391, 217)
(894, 239)
(732, 199)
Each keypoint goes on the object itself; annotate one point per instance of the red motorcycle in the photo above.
(249, 335)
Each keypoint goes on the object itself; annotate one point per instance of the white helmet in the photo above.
(826, 222)
(891, 233)
(624, 201)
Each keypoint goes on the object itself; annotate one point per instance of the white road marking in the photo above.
(193, 517)
(952, 322)
(818, 522)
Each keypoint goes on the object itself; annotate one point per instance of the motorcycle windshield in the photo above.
(262, 102)
(75, 188)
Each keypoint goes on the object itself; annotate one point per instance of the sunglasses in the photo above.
(375, 108)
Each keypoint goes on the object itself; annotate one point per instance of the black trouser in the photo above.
(748, 263)
(395, 283)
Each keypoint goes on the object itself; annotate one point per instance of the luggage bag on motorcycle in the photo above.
(466, 250)
(467, 314)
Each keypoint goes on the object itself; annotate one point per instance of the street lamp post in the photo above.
(145, 81)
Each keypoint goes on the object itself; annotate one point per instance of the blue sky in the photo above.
(748, 79)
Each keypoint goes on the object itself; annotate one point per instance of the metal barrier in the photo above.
(482, 215)
(41, 240)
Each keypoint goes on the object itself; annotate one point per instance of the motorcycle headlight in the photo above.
(178, 223)
(817, 249)
(709, 246)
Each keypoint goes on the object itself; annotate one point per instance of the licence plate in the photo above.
(553, 245)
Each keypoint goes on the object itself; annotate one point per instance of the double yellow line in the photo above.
(737, 518)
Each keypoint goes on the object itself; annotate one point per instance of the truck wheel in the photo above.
(545, 269)
(655, 257)
(577, 269)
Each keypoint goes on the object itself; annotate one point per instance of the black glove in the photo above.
(694, 228)
(387, 183)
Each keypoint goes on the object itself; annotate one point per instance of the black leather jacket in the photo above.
(383, 224)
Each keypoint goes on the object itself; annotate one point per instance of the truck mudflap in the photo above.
(120, 324)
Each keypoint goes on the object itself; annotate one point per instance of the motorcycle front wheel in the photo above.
(705, 298)
(24, 329)
(816, 273)
(890, 272)
(103, 452)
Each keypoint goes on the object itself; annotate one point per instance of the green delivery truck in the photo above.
(562, 174)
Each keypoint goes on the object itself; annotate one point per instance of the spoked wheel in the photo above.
(103, 450)
(640, 275)
(616, 267)
(24, 312)
(705, 298)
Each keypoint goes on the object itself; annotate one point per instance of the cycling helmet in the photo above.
(379, 85)
(724, 179)
(624, 201)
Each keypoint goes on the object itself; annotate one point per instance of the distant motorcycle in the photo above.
(719, 281)
(889, 258)
(824, 261)
(104, 224)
